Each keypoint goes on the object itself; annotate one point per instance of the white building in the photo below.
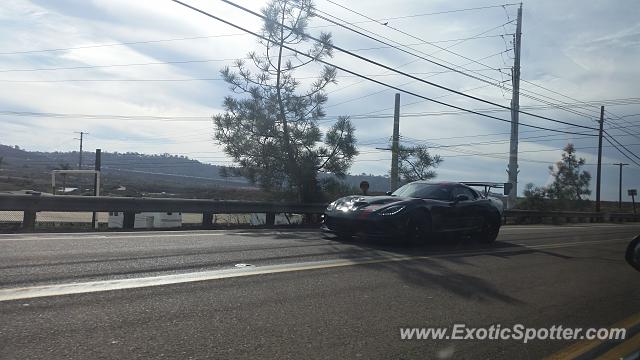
(148, 220)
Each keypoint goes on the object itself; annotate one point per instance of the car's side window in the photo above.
(461, 190)
(436, 193)
(472, 194)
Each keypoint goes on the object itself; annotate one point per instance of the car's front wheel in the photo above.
(418, 229)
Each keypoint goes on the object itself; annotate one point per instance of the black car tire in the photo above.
(418, 229)
(631, 254)
(489, 232)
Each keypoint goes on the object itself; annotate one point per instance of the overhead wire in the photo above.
(487, 79)
(375, 63)
(355, 73)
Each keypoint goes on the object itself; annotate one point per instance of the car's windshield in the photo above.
(424, 191)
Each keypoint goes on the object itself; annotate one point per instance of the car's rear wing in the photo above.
(506, 187)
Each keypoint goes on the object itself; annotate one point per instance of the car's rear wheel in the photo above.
(489, 231)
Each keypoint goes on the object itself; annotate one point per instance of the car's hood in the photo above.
(356, 202)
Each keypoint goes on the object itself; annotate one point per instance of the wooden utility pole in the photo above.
(395, 145)
(82, 133)
(620, 185)
(515, 111)
(96, 185)
(599, 170)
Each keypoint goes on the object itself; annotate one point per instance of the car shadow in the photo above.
(431, 265)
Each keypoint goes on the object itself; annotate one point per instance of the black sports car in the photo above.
(417, 210)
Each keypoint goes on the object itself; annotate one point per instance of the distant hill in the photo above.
(133, 174)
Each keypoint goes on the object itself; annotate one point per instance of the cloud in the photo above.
(585, 51)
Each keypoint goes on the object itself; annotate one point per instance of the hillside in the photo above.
(135, 174)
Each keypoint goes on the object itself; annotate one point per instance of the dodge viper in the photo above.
(418, 210)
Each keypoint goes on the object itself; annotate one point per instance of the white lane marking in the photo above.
(157, 234)
(567, 227)
(132, 283)
(93, 237)
(170, 234)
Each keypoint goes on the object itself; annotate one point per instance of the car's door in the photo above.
(465, 212)
(438, 199)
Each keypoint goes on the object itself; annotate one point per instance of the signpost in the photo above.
(633, 193)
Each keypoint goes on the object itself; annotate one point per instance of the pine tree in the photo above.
(570, 182)
(270, 124)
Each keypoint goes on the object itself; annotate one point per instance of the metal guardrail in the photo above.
(32, 204)
(535, 216)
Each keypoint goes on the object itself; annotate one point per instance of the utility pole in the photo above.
(395, 144)
(599, 171)
(82, 133)
(515, 111)
(96, 185)
(620, 185)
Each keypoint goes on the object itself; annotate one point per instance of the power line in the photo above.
(490, 142)
(185, 79)
(616, 127)
(239, 34)
(447, 147)
(479, 35)
(116, 65)
(622, 146)
(171, 62)
(620, 120)
(378, 64)
(624, 130)
(630, 115)
(493, 81)
(110, 80)
(403, 84)
(194, 38)
(105, 116)
(179, 118)
(438, 12)
(120, 44)
(395, 29)
(357, 74)
(530, 107)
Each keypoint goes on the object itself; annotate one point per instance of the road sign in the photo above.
(632, 192)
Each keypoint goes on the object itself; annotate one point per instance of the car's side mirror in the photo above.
(461, 197)
(633, 253)
(389, 193)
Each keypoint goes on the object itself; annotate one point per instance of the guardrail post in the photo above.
(207, 219)
(129, 220)
(270, 219)
(29, 221)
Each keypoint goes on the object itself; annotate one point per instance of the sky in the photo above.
(143, 76)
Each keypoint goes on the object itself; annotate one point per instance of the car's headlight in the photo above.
(391, 210)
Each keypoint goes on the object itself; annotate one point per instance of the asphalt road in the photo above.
(299, 294)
